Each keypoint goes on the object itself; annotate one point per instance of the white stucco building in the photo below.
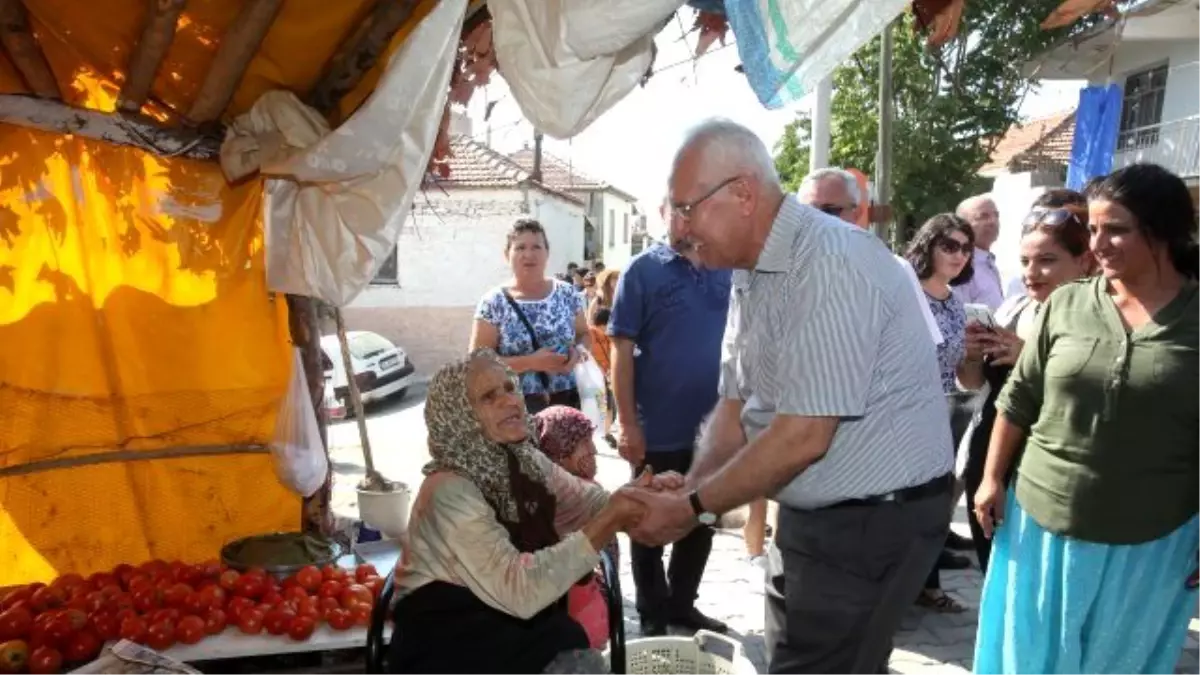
(1030, 159)
(613, 217)
(451, 250)
(1153, 54)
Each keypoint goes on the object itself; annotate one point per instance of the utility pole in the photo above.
(536, 174)
(883, 162)
(818, 156)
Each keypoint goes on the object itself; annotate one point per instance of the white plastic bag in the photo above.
(589, 379)
(299, 458)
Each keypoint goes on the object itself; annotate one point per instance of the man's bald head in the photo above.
(980, 211)
(724, 146)
(973, 202)
(724, 193)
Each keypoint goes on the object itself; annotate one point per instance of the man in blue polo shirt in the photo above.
(668, 320)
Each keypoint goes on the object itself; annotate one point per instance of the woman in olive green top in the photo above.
(1091, 560)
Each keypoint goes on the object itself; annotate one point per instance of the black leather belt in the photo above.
(937, 486)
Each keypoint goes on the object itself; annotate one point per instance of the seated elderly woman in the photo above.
(498, 535)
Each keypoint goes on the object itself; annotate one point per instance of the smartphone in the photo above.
(980, 314)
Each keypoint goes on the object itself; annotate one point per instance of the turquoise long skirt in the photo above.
(1053, 604)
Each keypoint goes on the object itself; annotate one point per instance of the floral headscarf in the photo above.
(457, 442)
(560, 429)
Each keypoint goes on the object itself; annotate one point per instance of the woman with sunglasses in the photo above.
(940, 254)
(1095, 547)
(1054, 251)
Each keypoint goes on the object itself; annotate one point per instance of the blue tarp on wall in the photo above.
(1097, 123)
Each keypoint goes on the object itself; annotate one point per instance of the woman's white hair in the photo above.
(821, 174)
(726, 144)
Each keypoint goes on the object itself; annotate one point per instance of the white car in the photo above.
(381, 369)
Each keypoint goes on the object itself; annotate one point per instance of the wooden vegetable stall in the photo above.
(144, 357)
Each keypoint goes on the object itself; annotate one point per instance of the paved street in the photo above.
(733, 587)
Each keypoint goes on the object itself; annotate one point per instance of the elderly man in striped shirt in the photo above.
(830, 403)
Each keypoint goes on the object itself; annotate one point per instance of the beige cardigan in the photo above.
(455, 537)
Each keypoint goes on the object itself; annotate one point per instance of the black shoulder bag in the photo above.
(533, 338)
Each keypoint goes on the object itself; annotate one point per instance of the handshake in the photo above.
(653, 509)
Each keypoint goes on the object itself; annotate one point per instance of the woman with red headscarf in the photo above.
(565, 435)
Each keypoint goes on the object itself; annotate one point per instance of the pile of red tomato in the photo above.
(46, 627)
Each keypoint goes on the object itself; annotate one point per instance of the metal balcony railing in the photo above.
(1174, 145)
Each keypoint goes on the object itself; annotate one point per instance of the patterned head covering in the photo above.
(560, 429)
(457, 442)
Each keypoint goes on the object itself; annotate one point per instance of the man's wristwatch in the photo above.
(705, 517)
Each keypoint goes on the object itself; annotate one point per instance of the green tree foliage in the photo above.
(791, 151)
(950, 106)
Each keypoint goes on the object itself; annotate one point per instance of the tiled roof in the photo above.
(475, 165)
(561, 175)
(1040, 143)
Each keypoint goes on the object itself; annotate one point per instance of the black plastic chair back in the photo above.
(616, 612)
(376, 646)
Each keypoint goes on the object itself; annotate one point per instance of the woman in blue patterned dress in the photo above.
(940, 254)
(535, 323)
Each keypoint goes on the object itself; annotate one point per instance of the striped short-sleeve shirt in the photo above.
(827, 325)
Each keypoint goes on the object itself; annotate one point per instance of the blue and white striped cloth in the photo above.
(788, 47)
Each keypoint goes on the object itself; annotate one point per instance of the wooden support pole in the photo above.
(883, 163)
(238, 46)
(122, 129)
(316, 512)
(359, 52)
(157, 34)
(372, 476)
(24, 50)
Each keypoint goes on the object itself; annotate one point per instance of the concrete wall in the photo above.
(1014, 195)
(450, 251)
(619, 220)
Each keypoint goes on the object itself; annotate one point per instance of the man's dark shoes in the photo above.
(957, 542)
(950, 561)
(653, 627)
(693, 620)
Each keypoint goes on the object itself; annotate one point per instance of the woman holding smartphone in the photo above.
(1054, 251)
(940, 254)
(1096, 545)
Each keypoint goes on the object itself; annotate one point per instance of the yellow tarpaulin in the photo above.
(134, 316)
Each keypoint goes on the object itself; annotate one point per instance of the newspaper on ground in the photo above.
(130, 657)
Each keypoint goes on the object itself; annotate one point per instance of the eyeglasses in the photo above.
(1050, 217)
(684, 210)
(952, 246)
(832, 209)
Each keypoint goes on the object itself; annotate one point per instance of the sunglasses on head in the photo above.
(1050, 217)
(953, 246)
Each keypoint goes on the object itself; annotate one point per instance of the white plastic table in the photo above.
(234, 644)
